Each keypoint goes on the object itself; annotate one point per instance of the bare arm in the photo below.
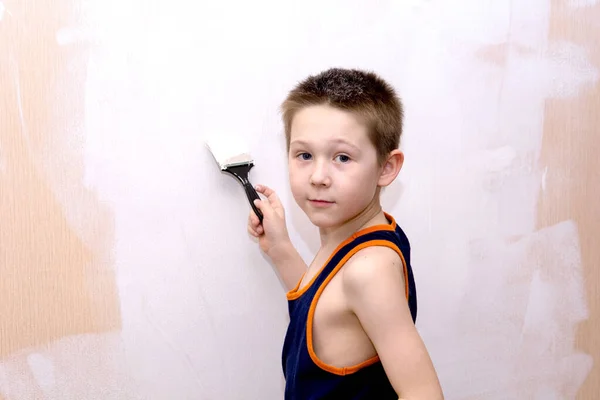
(274, 239)
(374, 286)
(290, 266)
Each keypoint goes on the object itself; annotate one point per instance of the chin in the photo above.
(317, 218)
(323, 219)
(320, 222)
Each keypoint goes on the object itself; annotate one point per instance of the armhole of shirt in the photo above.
(309, 323)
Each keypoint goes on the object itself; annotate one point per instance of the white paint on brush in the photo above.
(227, 150)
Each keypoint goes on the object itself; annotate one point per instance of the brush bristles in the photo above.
(228, 154)
(242, 159)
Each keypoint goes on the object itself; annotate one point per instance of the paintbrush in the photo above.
(237, 162)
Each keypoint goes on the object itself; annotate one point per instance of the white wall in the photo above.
(202, 319)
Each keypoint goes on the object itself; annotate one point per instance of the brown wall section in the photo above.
(52, 283)
(571, 149)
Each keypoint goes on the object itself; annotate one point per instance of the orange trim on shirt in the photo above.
(297, 292)
(313, 305)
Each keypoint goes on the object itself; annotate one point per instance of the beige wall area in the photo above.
(570, 147)
(125, 269)
(56, 276)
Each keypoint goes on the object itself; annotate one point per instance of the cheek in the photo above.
(295, 181)
(361, 184)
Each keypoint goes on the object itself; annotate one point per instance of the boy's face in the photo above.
(333, 166)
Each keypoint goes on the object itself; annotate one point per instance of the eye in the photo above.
(304, 156)
(343, 158)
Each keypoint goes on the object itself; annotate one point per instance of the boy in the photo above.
(352, 310)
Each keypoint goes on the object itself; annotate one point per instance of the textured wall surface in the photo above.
(125, 268)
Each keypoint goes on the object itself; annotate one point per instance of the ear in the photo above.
(391, 168)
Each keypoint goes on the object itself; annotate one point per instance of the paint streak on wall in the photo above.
(55, 260)
(570, 158)
(513, 293)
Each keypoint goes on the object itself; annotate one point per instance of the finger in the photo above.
(256, 231)
(265, 207)
(253, 219)
(270, 194)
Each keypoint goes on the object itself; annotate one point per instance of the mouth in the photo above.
(320, 202)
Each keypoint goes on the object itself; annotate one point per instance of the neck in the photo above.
(371, 215)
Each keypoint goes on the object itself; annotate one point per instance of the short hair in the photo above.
(363, 93)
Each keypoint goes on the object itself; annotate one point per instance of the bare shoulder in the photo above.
(373, 268)
(374, 288)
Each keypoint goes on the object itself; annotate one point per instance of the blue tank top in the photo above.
(307, 377)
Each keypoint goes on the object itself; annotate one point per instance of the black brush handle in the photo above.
(241, 172)
(252, 195)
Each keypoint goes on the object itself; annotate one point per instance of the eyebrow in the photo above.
(336, 141)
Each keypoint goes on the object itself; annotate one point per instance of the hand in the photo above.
(272, 234)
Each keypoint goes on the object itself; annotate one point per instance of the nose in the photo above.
(320, 174)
